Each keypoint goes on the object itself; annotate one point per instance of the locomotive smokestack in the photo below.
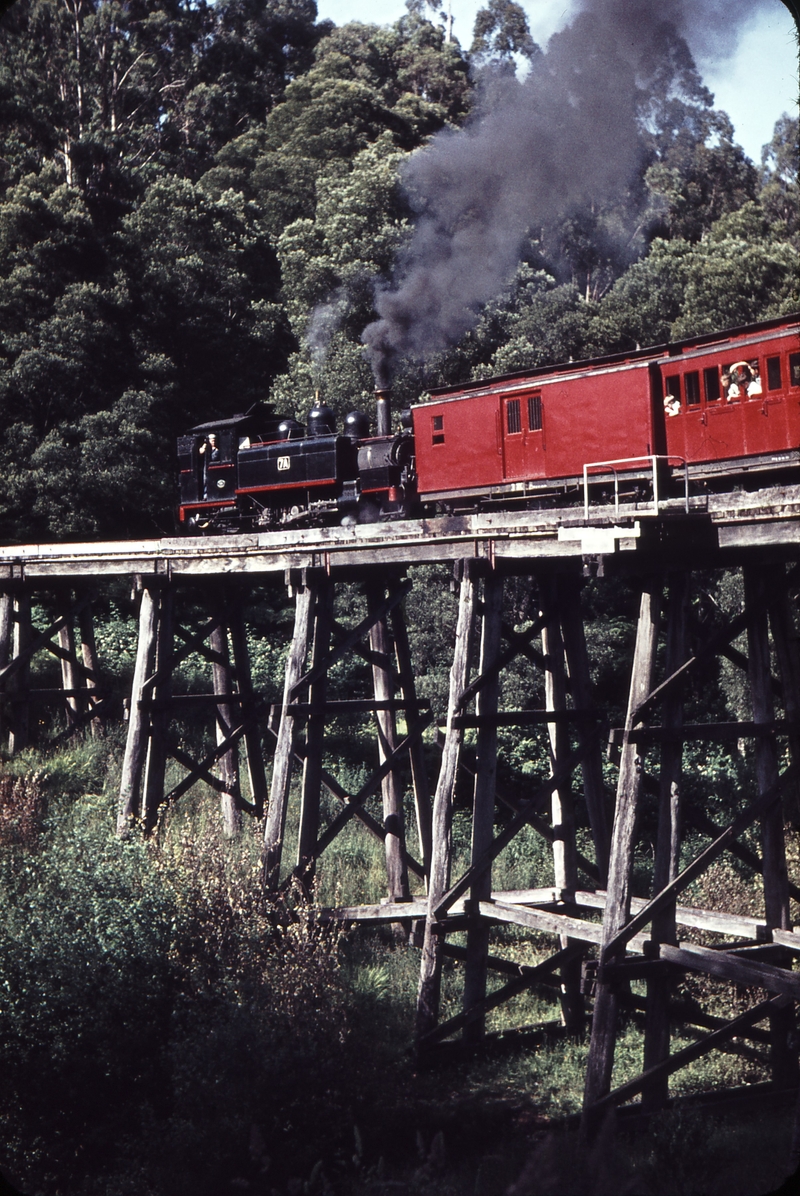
(383, 396)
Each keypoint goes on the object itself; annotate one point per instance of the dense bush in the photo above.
(157, 1016)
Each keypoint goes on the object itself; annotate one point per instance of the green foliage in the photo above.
(198, 202)
(742, 272)
(501, 30)
(695, 184)
(149, 993)
(780, 195)
(109, 350)
(22, 809)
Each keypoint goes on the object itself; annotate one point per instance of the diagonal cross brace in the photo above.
(699, 863)
(501, 840)
(202, 768)
(371, 786)
(528, 977)
(372, 824)
(96, 708)
(365, 653)
(521, 641)
(538, 824)
(190, 645)
(203, 649)
(702, 822)
(42, 640)
(352, 639)
(696, 1051)
(201, 773)
(714, 645)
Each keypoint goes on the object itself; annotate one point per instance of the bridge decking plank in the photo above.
(769, 517)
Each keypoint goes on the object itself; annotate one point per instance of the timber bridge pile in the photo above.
(593, 961)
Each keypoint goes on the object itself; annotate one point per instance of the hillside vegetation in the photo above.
(200, 204)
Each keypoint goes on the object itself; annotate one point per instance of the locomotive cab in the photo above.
(208, 468)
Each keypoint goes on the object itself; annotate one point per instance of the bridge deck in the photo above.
(726, 523)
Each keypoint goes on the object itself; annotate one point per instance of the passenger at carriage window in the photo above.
(672, 399)
(740, 380)
(754, 388)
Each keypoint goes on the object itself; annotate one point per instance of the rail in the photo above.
(631, 463)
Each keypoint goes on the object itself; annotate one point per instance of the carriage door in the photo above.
(725, 417)
(523, 437)
(764, 406)
(702, 423)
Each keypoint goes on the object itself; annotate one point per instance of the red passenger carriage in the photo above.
(726, 404)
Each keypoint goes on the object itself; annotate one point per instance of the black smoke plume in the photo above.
(569, 134)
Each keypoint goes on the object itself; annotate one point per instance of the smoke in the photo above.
(569, 134)
(325, 321)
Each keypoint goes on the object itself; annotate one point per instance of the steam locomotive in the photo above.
(712, 409)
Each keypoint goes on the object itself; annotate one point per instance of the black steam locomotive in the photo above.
(258, 470)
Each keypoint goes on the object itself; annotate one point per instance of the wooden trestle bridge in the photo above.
(650, 939)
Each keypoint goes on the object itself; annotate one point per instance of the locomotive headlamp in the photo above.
(221, 484)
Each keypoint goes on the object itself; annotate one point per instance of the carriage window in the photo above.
(672, 399)
(774, 379)
(438, 429)
(711, 384)
(794, 369)
(535, 413)
(674, 387)
(513, 416)
(741, 380)
(692, 384)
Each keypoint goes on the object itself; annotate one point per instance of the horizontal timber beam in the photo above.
(737, 522)
(668, 894)
(552, 923)
(747, 972)
(521, 718)
(738, 925)
(704, 731)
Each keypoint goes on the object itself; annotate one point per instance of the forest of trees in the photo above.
(197, 197)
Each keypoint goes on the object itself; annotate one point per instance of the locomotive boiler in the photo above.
(712, 410)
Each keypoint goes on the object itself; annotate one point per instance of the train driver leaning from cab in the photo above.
(210, 447)
(209, 451)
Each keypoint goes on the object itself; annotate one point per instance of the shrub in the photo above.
(22, 809)
(156, 1013)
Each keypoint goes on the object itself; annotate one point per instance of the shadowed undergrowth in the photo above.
(165, 1031)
